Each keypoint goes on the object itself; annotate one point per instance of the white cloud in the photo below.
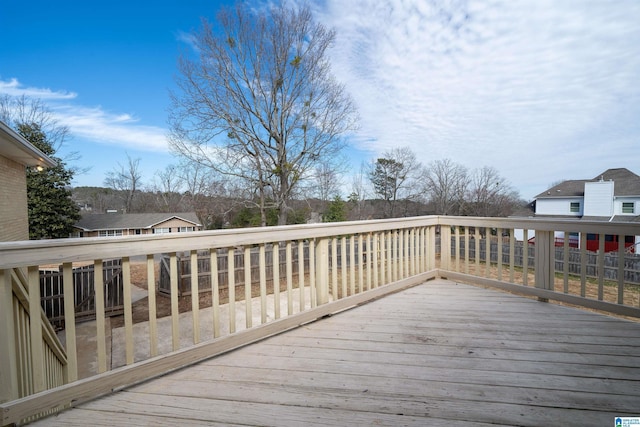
(93, 124)
(532, 88)
(14, 88)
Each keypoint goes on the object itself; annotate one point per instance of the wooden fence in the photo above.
(52, 297)
(631, 260)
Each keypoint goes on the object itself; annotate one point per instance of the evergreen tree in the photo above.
(336, 211)
(52, 212)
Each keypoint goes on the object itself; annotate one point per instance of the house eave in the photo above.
(18, 149)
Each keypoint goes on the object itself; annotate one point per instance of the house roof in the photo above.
(626, 182)
(13, 146)
(114, 221)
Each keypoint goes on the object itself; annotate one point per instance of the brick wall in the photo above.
(14, 223)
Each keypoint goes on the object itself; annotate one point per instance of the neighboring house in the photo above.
(114, 224)
(612, 196)
(16, 154)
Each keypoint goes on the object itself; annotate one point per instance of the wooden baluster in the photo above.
(301, 274)
(128, 311)
(195, 296)
(175, 314)
(276, 280)
(215, 292)
(247, 287)
(262, 262)
(231, 279)
(151, 292)
(289, 264)
(69, 323)
(98, 280)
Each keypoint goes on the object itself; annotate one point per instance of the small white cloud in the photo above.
(14, 88)
(95, 124)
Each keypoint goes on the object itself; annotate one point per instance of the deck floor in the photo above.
(437, 354)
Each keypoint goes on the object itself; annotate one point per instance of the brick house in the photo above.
(16, 154)
(115, 224)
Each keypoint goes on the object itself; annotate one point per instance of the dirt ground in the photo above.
(140, 308)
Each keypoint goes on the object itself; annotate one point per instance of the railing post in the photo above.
(544, 253)
(8, 363)
(322, 271)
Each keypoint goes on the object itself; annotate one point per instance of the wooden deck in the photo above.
(437, 354)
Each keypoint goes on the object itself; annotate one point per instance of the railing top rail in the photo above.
(545, 224)
(38, 252)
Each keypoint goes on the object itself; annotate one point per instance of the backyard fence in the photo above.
(631, 260)
(52, 297)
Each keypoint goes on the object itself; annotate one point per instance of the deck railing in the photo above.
(334, 267)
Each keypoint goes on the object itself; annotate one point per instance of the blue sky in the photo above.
(542, 90)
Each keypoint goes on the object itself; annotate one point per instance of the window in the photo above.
(109, 233)
(161, 230)
(627, 207)
(575, 207)
(185, 229)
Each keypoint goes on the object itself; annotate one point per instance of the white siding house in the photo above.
(598, 198)
(612, 196)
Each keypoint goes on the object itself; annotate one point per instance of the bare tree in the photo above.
(259, 102)
(393, 178)
(167, 186)
(208, 193)
(127, 180)
(359, 193)
(446, 184)
(489, 194)
(19, 110)
(326, 182)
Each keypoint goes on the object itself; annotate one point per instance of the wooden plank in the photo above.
(338, 351)
(254, 368)
(257, 413)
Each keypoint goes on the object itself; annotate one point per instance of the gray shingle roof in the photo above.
(626, 182)
(114, 221)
